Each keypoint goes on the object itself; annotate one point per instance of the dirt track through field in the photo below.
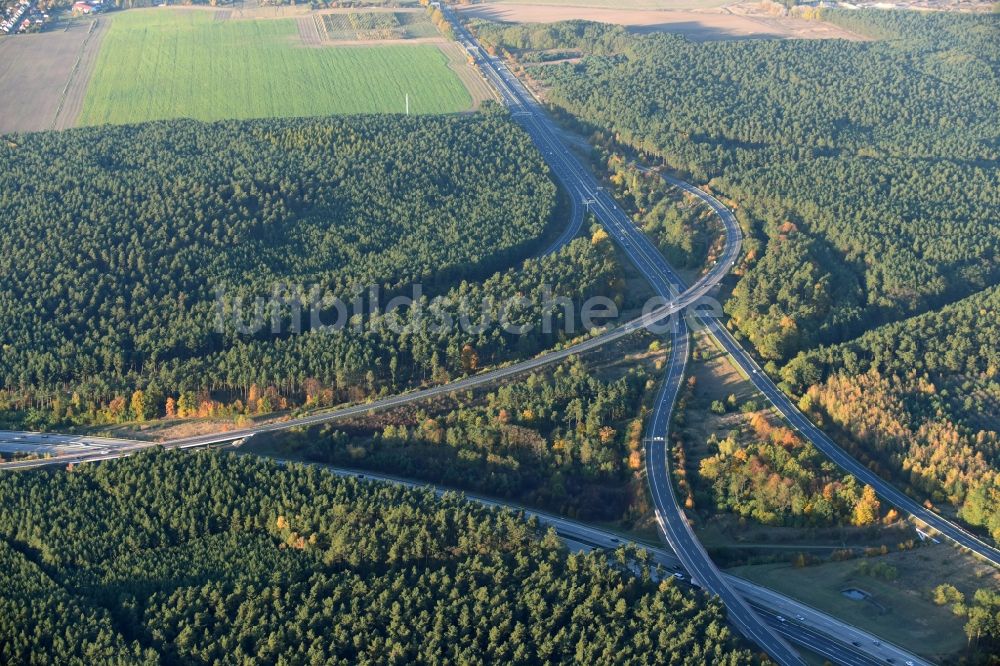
(71, 103)
(309, 31)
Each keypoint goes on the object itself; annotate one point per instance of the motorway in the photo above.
(623, 231)
(572, 228)
(670, 513)
(655, 268)
(582, 187)
(803, 624)
(45, 444)
(667, 285)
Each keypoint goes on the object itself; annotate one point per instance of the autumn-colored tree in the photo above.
(171, 407)
(470, 359)
(116, 408)
(866, 511)
(208, 408)
(186, 405)
(635, 460)
(140, 405)
(312, 389)
(253, 395)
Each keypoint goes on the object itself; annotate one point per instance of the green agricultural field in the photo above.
(158, 64)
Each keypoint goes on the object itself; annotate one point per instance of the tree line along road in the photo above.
(676, 298)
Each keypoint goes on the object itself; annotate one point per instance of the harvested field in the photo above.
(36, 73)
(699, 25)
(71, 104)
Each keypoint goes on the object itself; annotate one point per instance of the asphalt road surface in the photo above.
(800, 623)
(46, 444)
(584, 190)
(667, 285)
(649, 261)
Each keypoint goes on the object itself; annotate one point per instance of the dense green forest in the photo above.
(881, 155)
(868, 178)
(567, 440)
(922, 398)
(205, 558)
(118, 239)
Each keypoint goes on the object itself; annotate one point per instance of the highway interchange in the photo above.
(640, 251)
(761, 626)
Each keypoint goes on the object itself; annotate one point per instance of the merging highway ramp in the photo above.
(661, 276)
(822, 441)
(652, 264)
(575, 178)
(800, 623)
(676, 298)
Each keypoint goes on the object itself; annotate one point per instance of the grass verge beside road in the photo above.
(900, 610)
